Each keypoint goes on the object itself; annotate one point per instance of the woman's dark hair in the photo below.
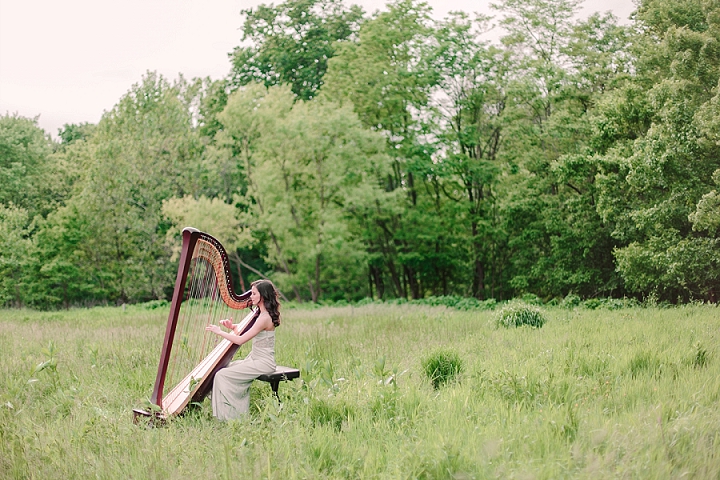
(269, 294)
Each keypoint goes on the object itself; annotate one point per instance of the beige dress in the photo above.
(231, 387)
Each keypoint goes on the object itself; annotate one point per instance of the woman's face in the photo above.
(255, 297)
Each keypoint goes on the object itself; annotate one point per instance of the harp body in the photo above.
(203, 295)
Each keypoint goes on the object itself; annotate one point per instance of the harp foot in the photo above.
(150, 419)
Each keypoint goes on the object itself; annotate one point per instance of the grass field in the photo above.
(631, 393)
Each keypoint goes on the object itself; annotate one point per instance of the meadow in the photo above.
(628, 393)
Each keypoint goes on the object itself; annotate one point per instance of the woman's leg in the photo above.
(231, 389)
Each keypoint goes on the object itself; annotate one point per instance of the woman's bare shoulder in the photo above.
(266, 322)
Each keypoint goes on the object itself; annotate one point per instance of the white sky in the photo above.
(68, 61)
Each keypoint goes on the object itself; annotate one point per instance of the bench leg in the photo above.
(274, 385)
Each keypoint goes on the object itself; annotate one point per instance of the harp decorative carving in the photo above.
(203, 294)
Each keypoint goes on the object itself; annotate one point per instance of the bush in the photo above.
(532, 299)
(516, 314)
(609, 303)
(571, 301)
(442, 367)
(154, 304)
(592, 303)
(450, 301)
(364, 301)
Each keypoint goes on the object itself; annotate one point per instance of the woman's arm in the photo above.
(260, 324)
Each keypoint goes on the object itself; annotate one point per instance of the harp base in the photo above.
(151, 419)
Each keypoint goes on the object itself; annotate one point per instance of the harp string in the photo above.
(179, 351)
(212, 313)
(205, 312)
(197, 311)
(197, 302)
(211, 296)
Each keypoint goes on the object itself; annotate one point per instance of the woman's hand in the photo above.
(214, 329)
(227, 323)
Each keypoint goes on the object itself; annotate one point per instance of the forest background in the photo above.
(391, 155)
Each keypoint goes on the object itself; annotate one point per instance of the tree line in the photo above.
(390, 155)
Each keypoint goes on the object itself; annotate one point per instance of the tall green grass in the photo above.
(628, 393)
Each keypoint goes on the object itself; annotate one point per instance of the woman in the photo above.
(231, 387)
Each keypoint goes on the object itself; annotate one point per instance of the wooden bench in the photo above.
(282, 374)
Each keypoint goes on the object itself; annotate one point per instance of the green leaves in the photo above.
(661, 129)
(309, 165)
(27, 169)
(707, 214)
(292, 43)
(49, 365)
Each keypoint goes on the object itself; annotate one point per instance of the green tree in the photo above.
(142, 152)
(664, 144)
(26, 167)
(218, 218)
(292, 42)
(250, 111)
(61, 270)
(557, 241)
(74, 132)
(470, 107)
(387, 77)
(309, 165)
(36, 178)
(15, 250)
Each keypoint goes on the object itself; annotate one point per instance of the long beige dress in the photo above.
(231, 387)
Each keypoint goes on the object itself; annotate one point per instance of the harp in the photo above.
(191, 356)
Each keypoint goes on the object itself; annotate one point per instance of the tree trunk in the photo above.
(379, 283)
(316, 291)
(284, 263)
(478, 283)
(479, 280)
(412, 283)
(236, 257)
(399, 290)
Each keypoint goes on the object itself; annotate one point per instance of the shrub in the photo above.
(592, 303)
(531, 299)
(516, 314)
(154, 304)
(571, 301)
(450, 301)
(364, 301)
(442, 367)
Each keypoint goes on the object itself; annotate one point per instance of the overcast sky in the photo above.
(69, 61)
